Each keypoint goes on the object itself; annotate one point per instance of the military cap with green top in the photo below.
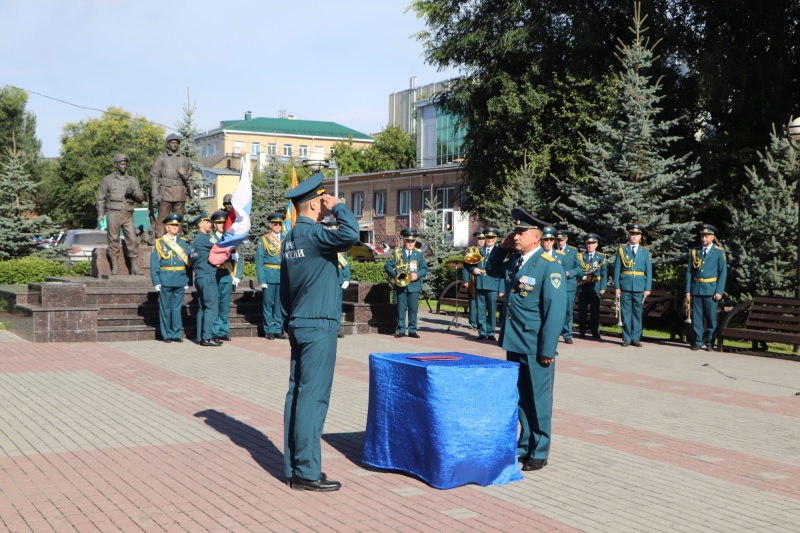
(708, 229)
(173, 218)
(219, 216)
(591, 237)
(307, 190)
(548, 232)
(525, 221)
(491, 231)
(409, 233)
(634, 228)
(275, 217)
(478, 234)
(201, 217)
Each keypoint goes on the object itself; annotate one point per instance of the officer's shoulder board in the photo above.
(561, 252)
(548, 257)
(184, 239)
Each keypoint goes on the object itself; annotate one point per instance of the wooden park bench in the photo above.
(457, 295)
(770, 319)
(660, 308)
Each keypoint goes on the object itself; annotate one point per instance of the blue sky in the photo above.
(319, 60)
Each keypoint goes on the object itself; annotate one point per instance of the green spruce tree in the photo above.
(20, 223)
(631, 179)
(439, 246)
(187, 130)
(762, 258)
(525, 192)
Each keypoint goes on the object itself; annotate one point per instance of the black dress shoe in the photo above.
(625, 344)
(706, 347)
(322, 484)
(491, 338)
(637, 344)
(209, 342)
(177, 340)
(413, 335)
(167, 340)
(281, 336)
(568, 341)
(582, 335)
(480, 337)
(224, 338)
(595, 335)
(534, 464)
(339, 336)
(269, 336)
(398, 335)
(695, 347)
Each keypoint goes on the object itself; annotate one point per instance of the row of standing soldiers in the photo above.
(587, 278)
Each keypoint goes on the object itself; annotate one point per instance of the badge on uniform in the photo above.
(526, 284)
(555, 279)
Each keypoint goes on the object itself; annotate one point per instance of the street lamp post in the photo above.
(332, 165)
(317, 162)
(792, 135)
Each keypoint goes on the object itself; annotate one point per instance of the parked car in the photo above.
(81, 242)
(366, 252)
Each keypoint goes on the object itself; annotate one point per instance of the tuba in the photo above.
(403, 278)
(473, 257)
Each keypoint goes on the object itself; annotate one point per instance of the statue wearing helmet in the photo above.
(171, 180)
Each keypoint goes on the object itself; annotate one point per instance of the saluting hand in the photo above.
(328, 201)
(508, 241)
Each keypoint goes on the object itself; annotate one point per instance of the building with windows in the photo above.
(282, 139)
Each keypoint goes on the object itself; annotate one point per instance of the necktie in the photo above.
(518, 265)
(591, 256)
(704, 253)
(633, 249)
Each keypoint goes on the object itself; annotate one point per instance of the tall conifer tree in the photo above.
(187, 130)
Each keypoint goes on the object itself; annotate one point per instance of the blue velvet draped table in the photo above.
(448, 422)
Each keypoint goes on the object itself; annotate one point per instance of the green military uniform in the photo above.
(344, 282)
(533, 316)
(594, 280)
(568, 257)
(407, 298)
(169, 272)
(268, 272)
(706, 275)
(486, 289)
(229, 274)
(310, 293)
(633, 275)
(466, 277)
(205, 280)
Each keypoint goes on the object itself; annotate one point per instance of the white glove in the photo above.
(234, 256)
(263, 285)
(186, 288)
(236, 282)
(345, 283)
(158, 288)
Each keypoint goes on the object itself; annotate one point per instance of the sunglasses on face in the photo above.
(410, 240)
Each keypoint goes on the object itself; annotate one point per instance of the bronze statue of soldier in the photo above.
(171, 181)
(115, 198)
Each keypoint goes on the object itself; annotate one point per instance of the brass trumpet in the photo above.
(402, 279)
(473, 258)
(618, 311)
(687, 309)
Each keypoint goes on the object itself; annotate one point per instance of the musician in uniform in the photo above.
(591, 287)
(468, 279)
(229, 274)
(533, 316)
(705, 284)
(549, 241)
(568, 257)
(309, 293)
(633, 281)
(268, 272)
(205, 280)
(170, 274)
(407, 260)
(344, 282)
(486, 288)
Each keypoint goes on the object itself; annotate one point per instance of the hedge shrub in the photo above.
(81, 268)
(367, 272)
(29, 270)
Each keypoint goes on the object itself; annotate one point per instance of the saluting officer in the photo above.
(170, 274)
(268, 272)
(705, 285)
(568, 257)
(593, 286)
(407, 259)
(533, 315)
(229, 274)
(633, 280)
(310, 292)
(486, 288)
(205, 281)
(468, 279)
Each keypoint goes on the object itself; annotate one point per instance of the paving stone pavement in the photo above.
(145, 436)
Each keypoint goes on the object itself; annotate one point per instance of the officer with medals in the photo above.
(468, 280)
(268, 272)
(170, 274)
(705, 285)
(205, 281)
(568, 257)
(633, 280)
(229, 274)
(310, 296)
(486, 288)
(407, 260)
(344, 282)
(533, 316)
(592, 286)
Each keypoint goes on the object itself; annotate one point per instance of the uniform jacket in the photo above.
(310, 286)
(713, 267)
(166, 182)
(572, 267)
(111, 195)
(485, 282)
(268, 259)
(230, 267)
(166, 267)
(535, 302)
(201, 246)
(344, 268)
(625, 264)
(416, 264)
(586, 265)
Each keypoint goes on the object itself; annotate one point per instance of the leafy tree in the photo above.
(87, 149)
(393, 149)
(349, 158)
(20, 222)
(18, 129)
(631, 177)
(763, 231)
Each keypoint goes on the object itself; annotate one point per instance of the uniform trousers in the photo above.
(116, 221)
(567, 329)
(589, 301)
(631, 309)
(407, 302)
(704, 319)
(208, 300)
(164, 209)
(170, 304)
(313, 344)
(271, 309)
(486, 305)
(222, 326)
(535, 385)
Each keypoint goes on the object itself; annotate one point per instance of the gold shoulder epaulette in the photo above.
(549, 257)
(561, 252)
(184, 239)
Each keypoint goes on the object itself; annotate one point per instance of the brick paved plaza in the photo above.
(145, 436)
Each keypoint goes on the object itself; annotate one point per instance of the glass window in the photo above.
(358, 204)
(272, 149)
(449, 139)
(320, 150)
(255, 148)
(303, 150)
(238, 146)
(216, 147)
(445, 199)
(380, 204)
(404, 202)
(209, 190)
(288, 150)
